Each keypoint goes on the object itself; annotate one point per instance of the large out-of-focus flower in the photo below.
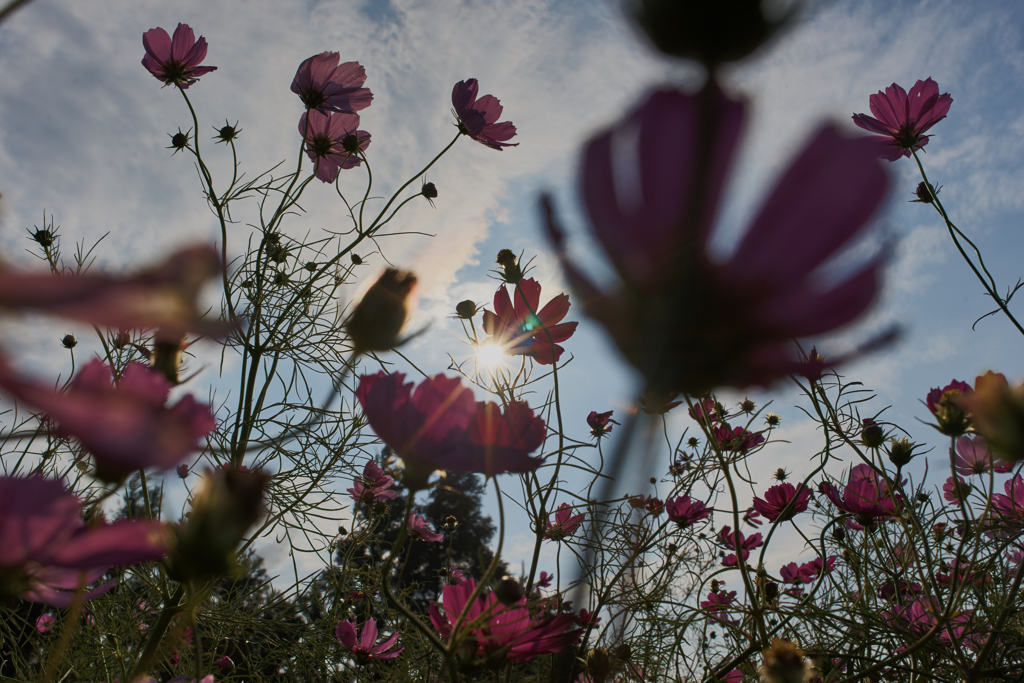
(165, 297)
(478, 116)
(373, 487)
(783, 501)
(333, 142)
(364, 646)
(997, 412)
(175, 60)
(901, 119)
(495, 631)
(378, 318)
(47, 551)
(972, 457)
(125, 426)
(440, 426)
(866, 496)
(565, 523)
(420, 530)
(652, 185)
(526, 329)
(325, 85)
(686, 512)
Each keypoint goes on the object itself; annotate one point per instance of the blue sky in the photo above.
(85, 130)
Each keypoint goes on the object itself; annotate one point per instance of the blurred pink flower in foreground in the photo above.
(652, 185)
(478, 116)
(565, 523)
(522, 333)
(901, 119)
(373, 487)
(165, 296)
(440, 426)
(419, 529)
(364, 648)
(778, 497)
(325, 85)
(125, 426)
(47, 551)
(175, 60)
(494, 630)
(333, 142)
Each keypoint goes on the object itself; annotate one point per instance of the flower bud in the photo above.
(748, 406)
(509, 264)
(378, 318)
(508, 590)
(429, 192)
(227, 133)
(709, 32)
(783, 663)
(44, 237)
(229, 502)
(872, 435)
(924, 193)
(450, 523)
(179, 141)
(69, 341)
(182, 471)
(772, 419)
(465, 309)
(166, 357)
(901, 451)
(356, 261)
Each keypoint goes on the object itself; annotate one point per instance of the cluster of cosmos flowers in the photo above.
(689, 323)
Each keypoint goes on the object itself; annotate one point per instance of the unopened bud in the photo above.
(508, 590)
(872, 435)
(378, 318)
(748, 406)
(511, 271)
(166, 357)
(450, 523)
(465, 309)
(69, 341)
(45, 237)
(356, 261)
(429, 192)
(783, 663)
(179, 141)
(901, 451)
(227, 132)
(924, 193)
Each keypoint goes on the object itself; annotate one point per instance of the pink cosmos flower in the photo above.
(492, 630)
(811, 570)
(866, 497)
(478, 116)
(333, 142)
(738, 439)
(565, 524)
(47, 551)
(544, 580)
(522, 333)
(175, 60)
(325, 85)
(972, 457)
(783, 501)
(125, 426)
(956, 492)
(717, 603)
(599, 423)
(686, 512)
(731, 540)
(440, 426)
(164, 296)
(1011, 504)
(419, 529)
(364, 647)
(703, 410)
(373, 487)
(652, 185)
(901, 120)
(936, 394)
(45, 623)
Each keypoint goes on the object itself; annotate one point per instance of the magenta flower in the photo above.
(492, 630)
(175, 60)
(373, 487)
(364, 647)
(717, 604)
(703, 410)
(45, 623)
(901, 120)
(783, 501)
(478, 116)
(439, 426)
(731, 540)
(47, 551)
(544, 580)
(956, 491)
(866, 497)
(126, 426)
(325, 85)
(333, 142)
(599, 423)
(738, 439)
(952, 390)
(972, 457)
(565, 524)
(419, 529)
(687, 321)
(811, 570)
(522, 333)
(1011, 504)
(686, 512)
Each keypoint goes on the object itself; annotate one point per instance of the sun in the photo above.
(490, 355)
